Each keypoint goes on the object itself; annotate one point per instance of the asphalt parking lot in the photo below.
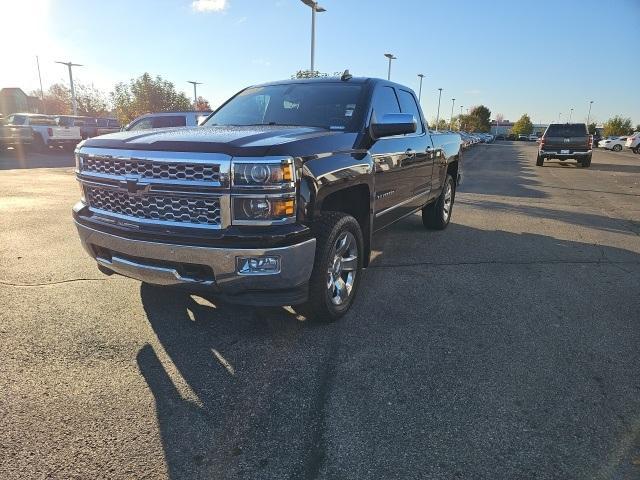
(506, 346)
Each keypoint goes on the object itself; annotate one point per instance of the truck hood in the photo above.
(236, 141)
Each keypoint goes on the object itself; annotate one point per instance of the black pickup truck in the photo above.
(566, 141)
(274, 199)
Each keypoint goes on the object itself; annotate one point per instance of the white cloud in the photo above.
(261, 61)
(209, 5)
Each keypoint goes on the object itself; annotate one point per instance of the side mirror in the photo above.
(393, 124)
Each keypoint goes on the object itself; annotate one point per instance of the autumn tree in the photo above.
(57, 100)
(202, 104)
(617, 126)
(523, 126)
(147, 94)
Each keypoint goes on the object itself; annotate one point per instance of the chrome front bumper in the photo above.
(156, 263)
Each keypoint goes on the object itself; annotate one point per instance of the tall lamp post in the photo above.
(438, 114)
(195, 96)
(460, 119)
(453, 102)
(314, 8)
(589, 114)
(570, 115)
(390, 56)
(421, 76)
(73, 92)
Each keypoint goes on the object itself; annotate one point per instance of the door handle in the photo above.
(410, 153)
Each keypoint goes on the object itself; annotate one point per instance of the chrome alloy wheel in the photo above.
(448, 200)
(341, 274)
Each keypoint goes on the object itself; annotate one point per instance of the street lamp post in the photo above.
(314, 8)
(420, 88)
(589, 114)
(559, 117)
(453, 102)
(390, 57)
(438, 114)
(73, 92)
(195, 96)
(570, 115)
(460, 119)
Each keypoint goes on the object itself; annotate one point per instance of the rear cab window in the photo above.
(566, 130)
(169, 121)
(408, 105)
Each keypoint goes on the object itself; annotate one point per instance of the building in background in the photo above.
(14, 100)
(505, 128)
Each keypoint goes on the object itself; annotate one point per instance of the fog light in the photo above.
(257, 265)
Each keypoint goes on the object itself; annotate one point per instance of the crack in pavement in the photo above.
(46, 284)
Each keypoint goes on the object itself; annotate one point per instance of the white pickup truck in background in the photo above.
(46, 133)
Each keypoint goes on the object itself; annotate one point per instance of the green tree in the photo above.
(592, 128)
(637, 129)
(523, 126)
(483, 118)
(147, 94)
(617, 126)
(91, 101)
(442, 124)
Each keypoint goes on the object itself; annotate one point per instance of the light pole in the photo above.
(73, 92)
(460, 119)
(589, 114)
(390, 57)
(570, 115)
(314, 8)
(195, 97)
(420, 88)
(559, 117)
(41, 91)
(453, 102)
(438, 114)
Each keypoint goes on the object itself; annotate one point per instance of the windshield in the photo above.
(335, 106)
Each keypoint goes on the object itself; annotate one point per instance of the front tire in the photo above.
(437, 215)
(337, 267)
(617, 148)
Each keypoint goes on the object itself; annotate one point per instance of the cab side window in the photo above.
(385, 101)
(408, 105)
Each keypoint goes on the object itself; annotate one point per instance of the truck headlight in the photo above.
(263, 210)
(269, 173)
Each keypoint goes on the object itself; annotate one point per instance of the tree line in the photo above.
(127, 101)
(615, 126)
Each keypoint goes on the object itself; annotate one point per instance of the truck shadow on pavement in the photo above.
(13, 160)
(251, 393)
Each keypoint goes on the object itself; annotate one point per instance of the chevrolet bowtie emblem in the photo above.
(134, 186)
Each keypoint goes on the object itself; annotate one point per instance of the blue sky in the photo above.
(499, 53)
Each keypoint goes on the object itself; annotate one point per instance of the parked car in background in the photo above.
(167, 119)
(613, 143)
(16, 136)
(87, 125)
(46, 133)
(533, 137)
(500, 136)
(107, 125)
(633, 142)
(566, 141)
(522, 136)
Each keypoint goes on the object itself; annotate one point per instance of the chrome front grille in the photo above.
(146, 169)
(164, 208)
(181, 189)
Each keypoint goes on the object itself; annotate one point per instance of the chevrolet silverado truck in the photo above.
(566, 141)
(274, 199)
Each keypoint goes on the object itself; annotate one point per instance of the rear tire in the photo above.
(38, 143)
(337, 267)
(586, 162)
(539, 161)
(617, 148)
(437, 215)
